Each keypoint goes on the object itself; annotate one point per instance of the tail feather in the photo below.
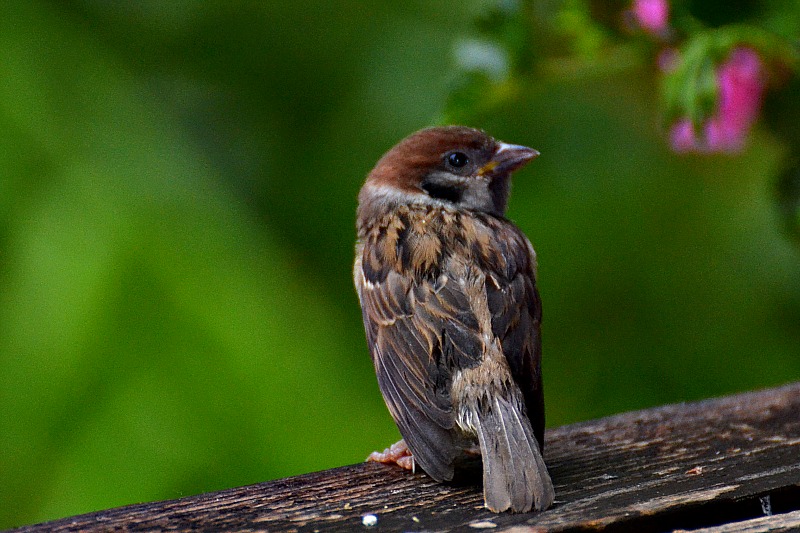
(514, 474)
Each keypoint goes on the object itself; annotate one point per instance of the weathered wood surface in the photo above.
(715, 464)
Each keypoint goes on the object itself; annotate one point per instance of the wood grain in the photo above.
(713, 464)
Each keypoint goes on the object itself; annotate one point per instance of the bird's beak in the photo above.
(508, 158)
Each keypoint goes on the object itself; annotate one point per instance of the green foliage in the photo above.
(177, 196)
(489, 62)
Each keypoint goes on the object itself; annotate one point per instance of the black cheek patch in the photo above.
(442, 192)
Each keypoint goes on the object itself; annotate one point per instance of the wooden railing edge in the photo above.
(729, 458)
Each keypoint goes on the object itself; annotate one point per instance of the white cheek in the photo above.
(391, 196)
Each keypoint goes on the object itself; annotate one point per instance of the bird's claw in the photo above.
(398, 453)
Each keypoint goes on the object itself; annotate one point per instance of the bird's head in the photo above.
(452, 166)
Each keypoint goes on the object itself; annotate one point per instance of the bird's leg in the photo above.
(398, 453)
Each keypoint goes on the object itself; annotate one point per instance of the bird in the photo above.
(452, 314)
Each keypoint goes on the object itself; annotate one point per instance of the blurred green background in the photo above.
(178, 183)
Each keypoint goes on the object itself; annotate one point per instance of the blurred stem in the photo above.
(788, 198)
(782, 115)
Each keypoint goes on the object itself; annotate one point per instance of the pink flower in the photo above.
(682, 136)
(668, 59)
(652, 15)
(740, 82)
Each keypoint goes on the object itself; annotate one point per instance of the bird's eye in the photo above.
(457, 159)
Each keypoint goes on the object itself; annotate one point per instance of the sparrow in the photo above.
(452, 315)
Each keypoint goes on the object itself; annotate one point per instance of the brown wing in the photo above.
(419, 331)
(516, 318)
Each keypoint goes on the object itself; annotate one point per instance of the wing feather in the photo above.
(419, 331)
(516, 312)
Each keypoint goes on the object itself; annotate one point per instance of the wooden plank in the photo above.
(774, 524)
(683, 466)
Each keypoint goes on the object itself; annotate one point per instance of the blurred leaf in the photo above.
(690, 88)
(490, 62)
(576, 21)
